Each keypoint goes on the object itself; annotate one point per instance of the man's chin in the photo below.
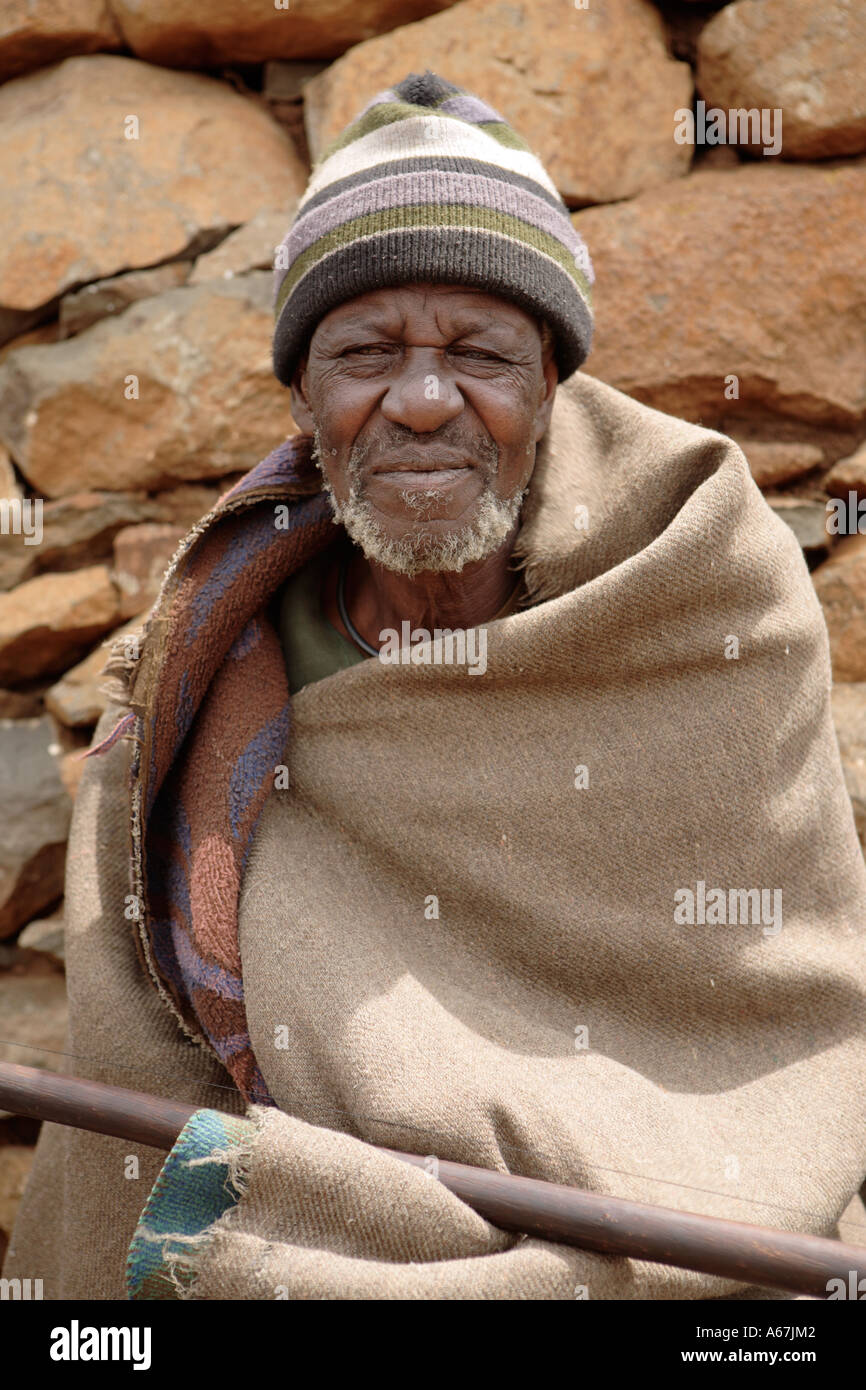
(424, 548)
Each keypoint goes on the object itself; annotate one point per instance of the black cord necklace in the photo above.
(341, 608)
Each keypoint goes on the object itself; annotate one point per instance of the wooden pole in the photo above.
(609, 1225)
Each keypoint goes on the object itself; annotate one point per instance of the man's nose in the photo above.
(422, 395)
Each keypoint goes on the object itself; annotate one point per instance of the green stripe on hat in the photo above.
(442, 215)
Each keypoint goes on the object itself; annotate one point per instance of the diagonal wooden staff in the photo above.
(608, 1225)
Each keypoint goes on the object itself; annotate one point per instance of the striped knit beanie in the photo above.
(430, 184)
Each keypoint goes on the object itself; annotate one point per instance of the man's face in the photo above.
(426, 403)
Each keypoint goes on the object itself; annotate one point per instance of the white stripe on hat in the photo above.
(417, 136)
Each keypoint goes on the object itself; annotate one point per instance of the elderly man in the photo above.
(425, 403)
(582, 900)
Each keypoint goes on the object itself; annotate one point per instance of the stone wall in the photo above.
(150, 160)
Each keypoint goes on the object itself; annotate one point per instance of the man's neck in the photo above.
(378, 598)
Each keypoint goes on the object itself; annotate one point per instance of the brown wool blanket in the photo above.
(596, 916)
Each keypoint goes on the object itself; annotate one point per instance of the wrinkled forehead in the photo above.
(404, 311)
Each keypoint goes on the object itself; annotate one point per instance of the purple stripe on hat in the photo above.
(423, 163)
(435, 186)
(469, 108)
(380, 99)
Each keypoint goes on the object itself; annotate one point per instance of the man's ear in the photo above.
(301, 412)
(545, 405)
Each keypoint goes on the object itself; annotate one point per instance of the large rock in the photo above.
(80, 308)
(76, 531)
(208, 402)
(849, 717)
(205, 160)
(44, 333)
(79, 530)
(34, 822)
(49, 622)
(47, 936)
(841, 587)
(847, 475)
(32, 35)
(593, 91)
(36, 337)
(806, 60)
(142, 554)
(77, 700)
(807, 518)
(748, 281)
(251, 247)
(186, 33)
(188, 502)
(774, 462)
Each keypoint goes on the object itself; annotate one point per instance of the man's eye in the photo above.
(476, 352)
(365, 350)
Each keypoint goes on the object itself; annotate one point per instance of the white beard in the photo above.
(419, 550)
